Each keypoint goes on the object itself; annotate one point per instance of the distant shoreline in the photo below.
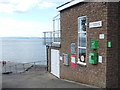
(22, 39)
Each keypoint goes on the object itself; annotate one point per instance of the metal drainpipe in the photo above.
(47, 55)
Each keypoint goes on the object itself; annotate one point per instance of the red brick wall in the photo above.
(113, 53)
(119, 47)
(91, 74)
(103, 74)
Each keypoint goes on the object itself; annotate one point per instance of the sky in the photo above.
(27, 18)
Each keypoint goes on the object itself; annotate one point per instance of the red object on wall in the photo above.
(73, 63)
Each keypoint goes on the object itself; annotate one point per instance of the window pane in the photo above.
(82, 54)
(82, 24)
(82, 40)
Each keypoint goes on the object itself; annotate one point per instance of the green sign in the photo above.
(109, 44)
(93, 44)
(93, 58)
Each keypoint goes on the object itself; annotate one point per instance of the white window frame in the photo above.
(79, 62)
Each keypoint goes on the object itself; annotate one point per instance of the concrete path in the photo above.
(38, 80)
(12, 67)
(15, 67)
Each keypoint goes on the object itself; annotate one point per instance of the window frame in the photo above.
(80, 47)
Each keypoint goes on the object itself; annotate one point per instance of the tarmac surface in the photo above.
(41, 79)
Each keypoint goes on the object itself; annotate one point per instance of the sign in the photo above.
(100, 59)
(95, 24)
(73, 63)
(93, 44)
(72, 48)
(61, 58)
(109, 44)
(82, 58)
(101, 36)
(73, 58)
(65, 59)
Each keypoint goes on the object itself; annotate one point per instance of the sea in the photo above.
(23, 50)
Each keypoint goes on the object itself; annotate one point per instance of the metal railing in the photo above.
(50, 38)
(11, 67)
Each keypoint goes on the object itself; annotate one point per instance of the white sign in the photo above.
(95, 24)
(101, 36)
(61, 58)
(82, 58)
(100, 59)
(73, 59)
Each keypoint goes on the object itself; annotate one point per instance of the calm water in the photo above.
(22, 50)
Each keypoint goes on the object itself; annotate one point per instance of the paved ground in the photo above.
(37, 80)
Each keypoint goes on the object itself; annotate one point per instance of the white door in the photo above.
(55, 70)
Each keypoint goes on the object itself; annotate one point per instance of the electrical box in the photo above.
(93, 58)
(65, 59)
(93, 44)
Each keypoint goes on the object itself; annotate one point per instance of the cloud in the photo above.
(17, 5)
(45, 5)
(10, 6)
(12, 27)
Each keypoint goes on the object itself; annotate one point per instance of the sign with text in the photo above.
(95, 24)
(101, 36)
(73, 63)
(65, 59)
(72, 48)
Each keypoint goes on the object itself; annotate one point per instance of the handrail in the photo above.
(22, 67)
(52, 37)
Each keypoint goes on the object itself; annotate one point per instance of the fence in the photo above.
(52, 38)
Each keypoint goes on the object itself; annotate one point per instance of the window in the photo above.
(82, 40)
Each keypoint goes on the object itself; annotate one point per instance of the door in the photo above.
(55, 70)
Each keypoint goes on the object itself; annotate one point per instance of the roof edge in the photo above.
(69, 4)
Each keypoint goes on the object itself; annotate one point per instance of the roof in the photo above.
(69, 4)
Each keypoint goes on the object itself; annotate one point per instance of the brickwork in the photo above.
(119, 45)
(92, 74)
(112, 53)
(103, 74)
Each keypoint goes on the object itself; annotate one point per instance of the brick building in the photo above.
(88, 51)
